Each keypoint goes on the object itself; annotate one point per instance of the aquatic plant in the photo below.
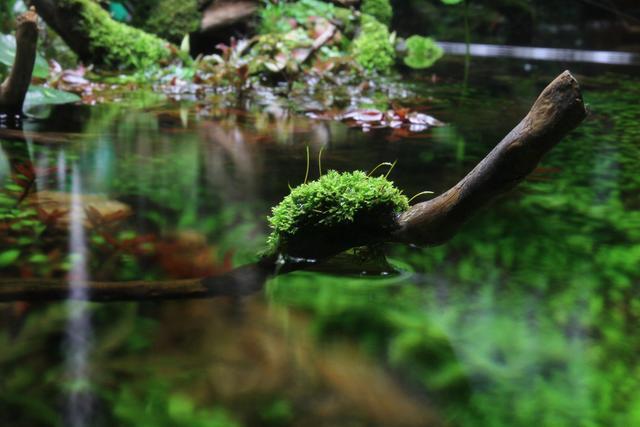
(373, 48)
(379, 9)
(335, 201)
(423, 52)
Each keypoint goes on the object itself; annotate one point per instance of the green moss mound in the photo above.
(114, 44)
(372, 49)
(423, 52)
(334, 201)
(171, 21)
(379, 9)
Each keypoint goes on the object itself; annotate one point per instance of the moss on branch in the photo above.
(336, 201)
(96, 38)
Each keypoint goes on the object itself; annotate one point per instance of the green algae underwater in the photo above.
(527, 317)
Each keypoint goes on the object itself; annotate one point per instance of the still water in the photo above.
(528, 317)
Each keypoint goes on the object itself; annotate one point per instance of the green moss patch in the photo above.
(373, 48)
(172, 21)
(423, 52)
(379, 9)
(335, 201)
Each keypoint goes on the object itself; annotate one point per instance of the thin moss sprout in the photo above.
(422, 193)
(320, 162)
(395, 162)
(379, 166)
(306, 174)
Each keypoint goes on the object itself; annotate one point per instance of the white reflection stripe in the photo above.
(542, 53)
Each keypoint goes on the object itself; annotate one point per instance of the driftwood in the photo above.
(557, 111)
(14, 89)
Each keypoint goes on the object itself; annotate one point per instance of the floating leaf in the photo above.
(8, 52)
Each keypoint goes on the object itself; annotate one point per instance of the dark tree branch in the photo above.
(558, 110)
(14, 89)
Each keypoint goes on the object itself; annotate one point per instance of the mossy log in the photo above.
(97, 39)
(557, 111)
(14, 89)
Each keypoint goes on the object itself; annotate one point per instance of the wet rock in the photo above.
(95, 210)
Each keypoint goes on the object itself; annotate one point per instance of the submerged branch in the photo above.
(241, 281)
(14, 89)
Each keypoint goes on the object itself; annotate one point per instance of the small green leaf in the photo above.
(9, 257)
(38, 259)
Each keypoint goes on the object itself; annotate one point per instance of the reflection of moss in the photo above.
(112, 43)
(423, 52)
(373, 49)
(165, 407)
(334, 200)
(171, 21)
(379, 9)
(277, 413)
(557, 265)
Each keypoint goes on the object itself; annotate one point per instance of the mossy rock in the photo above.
(373, 49)
(379, 9)
(333, 213)
(113, 44)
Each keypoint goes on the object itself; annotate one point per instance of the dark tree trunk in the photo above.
(14, 89)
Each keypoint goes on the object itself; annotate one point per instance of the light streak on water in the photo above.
(79, 331)
(61, 171)
(542, 53)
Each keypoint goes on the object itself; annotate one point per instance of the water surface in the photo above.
(527, 317)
